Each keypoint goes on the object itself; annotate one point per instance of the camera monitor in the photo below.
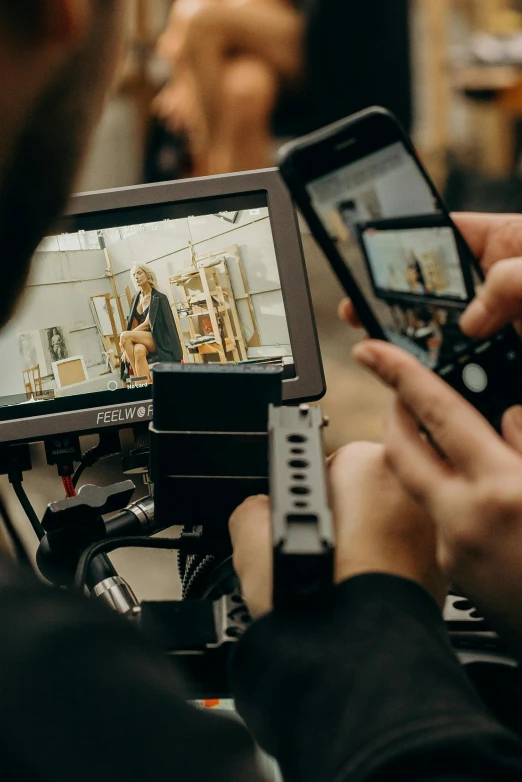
(198, 271)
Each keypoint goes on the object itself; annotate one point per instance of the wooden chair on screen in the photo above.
(33, 382)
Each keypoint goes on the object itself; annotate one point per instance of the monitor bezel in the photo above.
(308, 383)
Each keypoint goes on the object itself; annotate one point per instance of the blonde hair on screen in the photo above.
(151, 277)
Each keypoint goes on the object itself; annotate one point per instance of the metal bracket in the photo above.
(303, 537)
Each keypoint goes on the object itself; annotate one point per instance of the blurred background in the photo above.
(466, 82)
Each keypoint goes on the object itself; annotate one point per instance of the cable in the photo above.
(109, 444)
(89, 459)
(68, 485)
(106, 546)
(28, 508)
(19, 549)
(63, 451)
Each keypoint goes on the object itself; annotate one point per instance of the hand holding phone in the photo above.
(493, 238)
(473, 495)
(399, 256)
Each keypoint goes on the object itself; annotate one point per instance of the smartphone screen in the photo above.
(413, 272)
(402, 251)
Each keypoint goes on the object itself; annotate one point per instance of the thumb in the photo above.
(512, 427)
(250, 530)
(347, 312)
(498, 303)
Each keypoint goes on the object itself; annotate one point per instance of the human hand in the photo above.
(379, 528)
(492, 239)
(468, 479)
(497, 240)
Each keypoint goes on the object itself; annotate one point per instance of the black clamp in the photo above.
(72, 524)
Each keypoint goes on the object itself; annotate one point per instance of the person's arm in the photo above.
(466, 476)
(358, 55)
(172, 339)
(368, 689)
(83, 697)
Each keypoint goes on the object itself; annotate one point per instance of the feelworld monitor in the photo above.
(201, 271)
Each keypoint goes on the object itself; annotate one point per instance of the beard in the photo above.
(45, 162)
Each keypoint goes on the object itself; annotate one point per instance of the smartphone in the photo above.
(384, 228)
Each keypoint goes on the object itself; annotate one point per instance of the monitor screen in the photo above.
(119, 290)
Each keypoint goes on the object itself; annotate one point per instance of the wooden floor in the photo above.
(355, 402)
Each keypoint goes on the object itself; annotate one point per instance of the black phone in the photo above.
(384, 228)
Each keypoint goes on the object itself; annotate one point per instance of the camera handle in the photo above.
(302, 525)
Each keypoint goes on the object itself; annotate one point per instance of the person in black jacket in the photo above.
(313, 61)
(151, 334)
(403, 709)
(368, 689)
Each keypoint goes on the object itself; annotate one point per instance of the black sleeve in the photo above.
(83, 698)
(174, 343)
(369, 690)
(132, 313)
(358, 55)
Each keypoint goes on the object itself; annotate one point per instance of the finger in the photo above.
(250, 523)
(459, 431)
(348, 314)
(349, 455)
(492, 238)
(424, 475)
(512, 427)
(418, 467)
(476, 228)
(498, 303)
(250, 531)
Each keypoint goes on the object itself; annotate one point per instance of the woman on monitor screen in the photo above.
(151, 334)
(415, 276)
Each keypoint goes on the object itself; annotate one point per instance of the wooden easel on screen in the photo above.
(110, 318)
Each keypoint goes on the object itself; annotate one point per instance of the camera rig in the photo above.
(232, 438)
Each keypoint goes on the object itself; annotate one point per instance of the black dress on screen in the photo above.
(162, 327)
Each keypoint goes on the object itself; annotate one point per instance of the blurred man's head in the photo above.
(57, 58)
